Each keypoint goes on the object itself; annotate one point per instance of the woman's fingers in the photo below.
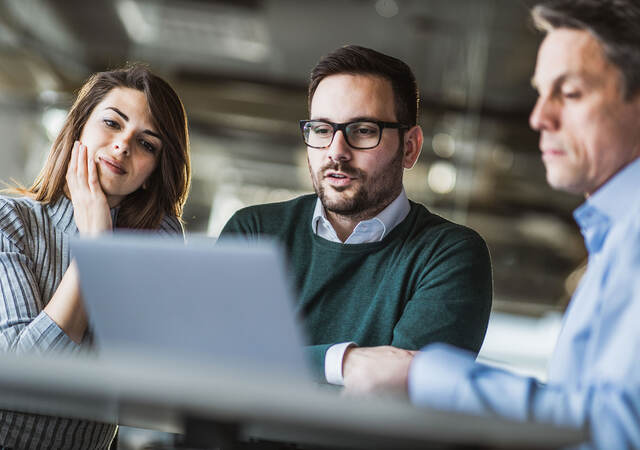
(82, 174)
(90, 205)
(92, 179)
(73, 165)
(81, 171)
(73, 162)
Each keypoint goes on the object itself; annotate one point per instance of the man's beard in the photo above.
(368, 199)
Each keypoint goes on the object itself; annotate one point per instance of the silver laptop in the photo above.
(224, 304)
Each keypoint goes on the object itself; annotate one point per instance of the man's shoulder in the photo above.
(430, 226)
(625, 253)
(441, 247)
(619, 270)
(285, 207)
(272, 217)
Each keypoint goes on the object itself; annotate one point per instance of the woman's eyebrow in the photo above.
(126, 118)
(152, 133)
(120, 113)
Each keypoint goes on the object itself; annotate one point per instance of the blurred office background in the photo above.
(241, 68)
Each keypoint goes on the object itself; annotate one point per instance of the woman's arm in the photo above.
(92, 216)
(66, 308)
(24, 327)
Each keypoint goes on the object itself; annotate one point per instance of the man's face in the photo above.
(350, 182)
(588, 132)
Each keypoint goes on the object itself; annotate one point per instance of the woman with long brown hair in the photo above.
(121, 160)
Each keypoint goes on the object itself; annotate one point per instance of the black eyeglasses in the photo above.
(361, 134)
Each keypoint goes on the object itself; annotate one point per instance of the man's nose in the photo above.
(544, 115)
(339, 150)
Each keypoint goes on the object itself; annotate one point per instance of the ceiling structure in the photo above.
(241, 68)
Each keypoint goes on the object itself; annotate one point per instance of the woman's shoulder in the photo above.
(16, 208)
(171, 225)
(16, 213)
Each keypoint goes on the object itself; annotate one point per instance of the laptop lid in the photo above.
(225, 304)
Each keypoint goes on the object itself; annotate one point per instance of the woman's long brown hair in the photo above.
(166, 189)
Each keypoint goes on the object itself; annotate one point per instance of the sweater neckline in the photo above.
(398, 230)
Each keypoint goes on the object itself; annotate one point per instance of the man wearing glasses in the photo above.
(372, 269)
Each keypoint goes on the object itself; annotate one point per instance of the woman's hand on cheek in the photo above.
(90, 207)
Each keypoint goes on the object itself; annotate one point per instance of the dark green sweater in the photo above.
(428, 280)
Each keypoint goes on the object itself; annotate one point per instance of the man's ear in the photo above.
(413, 139)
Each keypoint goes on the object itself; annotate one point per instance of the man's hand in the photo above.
(90, 207)
(376, 370)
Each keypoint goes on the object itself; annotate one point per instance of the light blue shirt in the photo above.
(594, 374)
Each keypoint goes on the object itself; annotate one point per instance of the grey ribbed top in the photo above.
(34, 255)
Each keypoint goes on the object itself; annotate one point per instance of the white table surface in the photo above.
(156, 394)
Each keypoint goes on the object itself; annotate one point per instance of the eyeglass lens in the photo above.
(358, 134)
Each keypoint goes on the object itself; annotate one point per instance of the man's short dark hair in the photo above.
(356, 60)
(615, 23)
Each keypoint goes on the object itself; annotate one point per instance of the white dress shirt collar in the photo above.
(371, 230)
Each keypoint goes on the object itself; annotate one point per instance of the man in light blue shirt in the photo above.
(588, 115)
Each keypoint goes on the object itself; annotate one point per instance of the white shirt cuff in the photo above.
(333, 362)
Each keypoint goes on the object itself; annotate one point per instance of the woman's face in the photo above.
(122, 141)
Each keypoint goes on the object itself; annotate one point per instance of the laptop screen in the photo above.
(224, 304)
